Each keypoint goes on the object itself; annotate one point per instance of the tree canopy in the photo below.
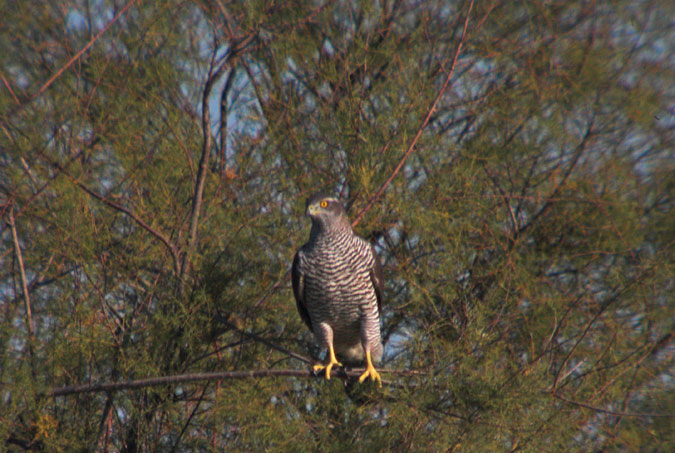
(512, 162)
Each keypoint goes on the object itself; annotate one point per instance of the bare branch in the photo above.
(203, 164)
(236, 47)
(214, 376)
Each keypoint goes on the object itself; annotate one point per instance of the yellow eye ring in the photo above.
(323, 204)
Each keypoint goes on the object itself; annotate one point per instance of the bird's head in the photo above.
(326, 212)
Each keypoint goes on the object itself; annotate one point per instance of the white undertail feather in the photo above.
(356, 354)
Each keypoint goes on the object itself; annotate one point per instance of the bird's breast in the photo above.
(337, 282)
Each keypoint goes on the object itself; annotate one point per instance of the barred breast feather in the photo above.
(340, 288)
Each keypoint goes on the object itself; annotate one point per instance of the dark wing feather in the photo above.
(377, 277)
(299, 290)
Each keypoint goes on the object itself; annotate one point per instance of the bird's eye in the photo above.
(323, 204)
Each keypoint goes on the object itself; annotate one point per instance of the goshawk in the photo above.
(337, 283)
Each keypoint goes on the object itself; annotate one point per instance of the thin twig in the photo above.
(423, 126)
(506, 198)
(193, 412)
(262, 340)
(581, 147)
(605, 411)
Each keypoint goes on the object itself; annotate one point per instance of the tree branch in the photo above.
(262, 340)
(236, 47)
(605, 411)
(24, 286)
(9, 87)
(203, 165)
(423, 126)
(83, 50)
(159, 235)
(341, 373)
(351, 374)
(73, 59)
(581, 147)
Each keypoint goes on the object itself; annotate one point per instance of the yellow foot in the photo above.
(370, 372)
(319, 367)
(333, 361)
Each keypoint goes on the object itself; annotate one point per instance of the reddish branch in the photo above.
(9, 87)
(19, 258)
(70, 62)
(83, 50)
(423, 126)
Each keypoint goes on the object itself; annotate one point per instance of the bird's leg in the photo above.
(324, 334)
(370, 371)
(332, 361)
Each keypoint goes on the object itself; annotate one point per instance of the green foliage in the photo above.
(527, 240)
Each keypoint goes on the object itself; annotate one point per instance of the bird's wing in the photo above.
(377, 277)
(298, 280)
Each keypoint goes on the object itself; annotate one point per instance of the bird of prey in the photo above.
(337, 283)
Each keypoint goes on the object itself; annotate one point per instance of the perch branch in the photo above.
(214, 376)
(341, 373)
